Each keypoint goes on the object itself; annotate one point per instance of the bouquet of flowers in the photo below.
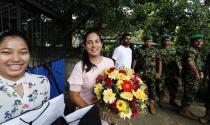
(121, 91)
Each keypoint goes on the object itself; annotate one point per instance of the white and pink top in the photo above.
(83, 82)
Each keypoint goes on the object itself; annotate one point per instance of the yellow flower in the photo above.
(143, 105)
(129, 73)
(121, 76)
(140, 94)
(119, 82)
(109, 96)
(143, 86)
(97, 90)
(125, 114)
(105, 71)
(121, 105)
(113, 74)
(126, 95)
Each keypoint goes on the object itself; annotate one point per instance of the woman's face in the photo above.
(14, 57)
(93, 44)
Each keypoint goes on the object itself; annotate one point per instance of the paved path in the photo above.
(168, 116)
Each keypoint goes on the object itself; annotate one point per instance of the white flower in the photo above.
(109, 96)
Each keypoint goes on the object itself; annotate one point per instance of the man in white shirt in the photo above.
(122, 55)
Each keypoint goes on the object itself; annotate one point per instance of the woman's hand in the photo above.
(77, 99)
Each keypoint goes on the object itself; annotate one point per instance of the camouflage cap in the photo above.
(196, 37)
(165, 37)
(147, 37)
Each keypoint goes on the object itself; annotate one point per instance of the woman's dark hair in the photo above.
(14, 33)
(85, 58)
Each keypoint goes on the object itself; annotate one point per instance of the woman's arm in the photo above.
(76, 98)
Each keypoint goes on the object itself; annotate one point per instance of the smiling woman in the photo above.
(19, 91)
(14, 56)
(83, 76)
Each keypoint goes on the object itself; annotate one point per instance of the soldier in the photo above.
(170, 70)
(191, 74)
(206, 81)
(148, 64)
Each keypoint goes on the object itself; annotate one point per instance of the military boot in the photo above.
(173, 102)
(185, 111)
(152, 106)
(206, 117)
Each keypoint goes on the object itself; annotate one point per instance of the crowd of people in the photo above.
(162, 67)
(21, 91)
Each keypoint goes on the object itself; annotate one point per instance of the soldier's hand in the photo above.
(197, 76)
(180, 81)
(157, 76)
(205, 82)
(201, 75)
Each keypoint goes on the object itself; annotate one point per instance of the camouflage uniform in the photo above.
(207, 104)
(206, 118)
(146, 67)
(191, 84)
(170, 71)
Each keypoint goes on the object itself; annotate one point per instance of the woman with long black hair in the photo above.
(83, 76)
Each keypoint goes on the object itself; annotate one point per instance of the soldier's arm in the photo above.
(193, 67)
(159, 69)
(178, 65)
(189, 57)
(160, 66)
(134, 64)
(136, 59)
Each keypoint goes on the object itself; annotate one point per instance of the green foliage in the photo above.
(179, 18)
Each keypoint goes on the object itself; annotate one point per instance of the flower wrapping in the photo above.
(121, 91)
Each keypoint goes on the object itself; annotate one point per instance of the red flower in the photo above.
(132, 103)
(99, 78)
(108, 83)
(127, 86)
(122, 71)
(136, 80)
(135, 111)
(136, 86)
(112, 106)
(111, 69)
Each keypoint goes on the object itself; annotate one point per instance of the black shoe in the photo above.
(205, 119)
